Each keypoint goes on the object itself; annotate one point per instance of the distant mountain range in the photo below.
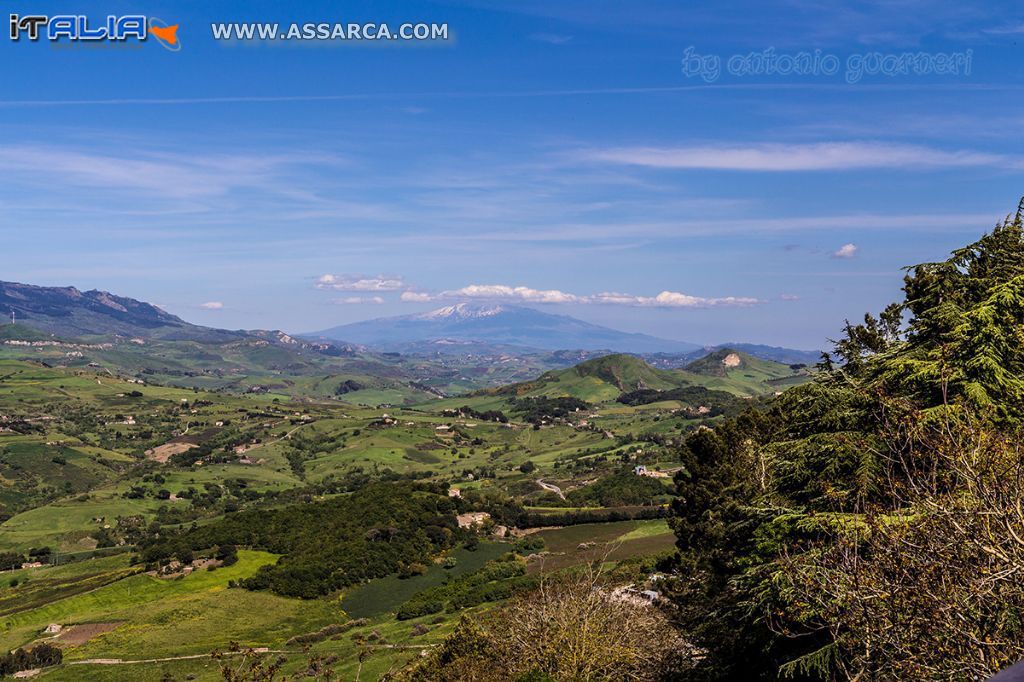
(507, 325)
(464, 329)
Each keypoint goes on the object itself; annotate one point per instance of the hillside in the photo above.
(595, 381)
(21, 332)
(606, 378)
(743, 374)
(505, 325)
(69, 313)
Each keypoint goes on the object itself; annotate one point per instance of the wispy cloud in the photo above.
(794, 157)
(417, 297)
(506, 94)
(359, 283)
(211, 305)
(551, 38)
(159, 174)
(1007, 29)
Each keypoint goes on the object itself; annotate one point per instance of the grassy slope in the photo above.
(171, 617)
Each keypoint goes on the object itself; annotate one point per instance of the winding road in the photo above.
(551, 488)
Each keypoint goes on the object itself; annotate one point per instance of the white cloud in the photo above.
(666, 299)
(416, 296)
(845, 251)
(789, 297)
(211, 305)
(492, 291)
(359, 283)
(794, 157)
(671, 299)
(360, 300)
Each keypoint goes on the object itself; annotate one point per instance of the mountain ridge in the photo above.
(72, 313)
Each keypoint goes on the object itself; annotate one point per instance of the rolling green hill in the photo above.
(604, 379)
(595, 381)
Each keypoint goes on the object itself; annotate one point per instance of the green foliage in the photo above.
(10, 560)
(529, 544)
(544, 409)
(717, 402)
(40, 656)
(330, 544)
(618, 490)
(963, 339)
(496, 580)
(482, 415)
(783, 518)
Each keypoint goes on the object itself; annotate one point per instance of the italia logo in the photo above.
(79, 28)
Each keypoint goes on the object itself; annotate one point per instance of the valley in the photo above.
(136, 468)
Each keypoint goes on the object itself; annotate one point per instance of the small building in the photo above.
(472, 519)
(641, 470)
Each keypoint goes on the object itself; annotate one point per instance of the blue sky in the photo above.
(552, 154)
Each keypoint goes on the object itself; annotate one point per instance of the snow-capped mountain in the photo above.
(462, 311)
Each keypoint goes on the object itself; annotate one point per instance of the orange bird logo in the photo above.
(168, 34)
